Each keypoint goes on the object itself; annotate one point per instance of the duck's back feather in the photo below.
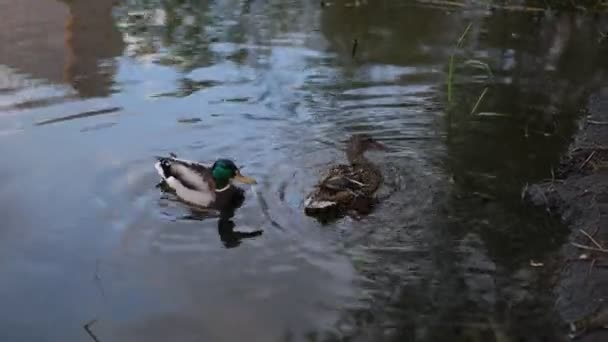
(200, 198)
(193, 182)
(344, 187)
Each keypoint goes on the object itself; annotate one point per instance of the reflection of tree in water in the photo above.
(387, 33)
(537, 93)
(392, 74)
(181, 32)
(92, 41)
(174, 29)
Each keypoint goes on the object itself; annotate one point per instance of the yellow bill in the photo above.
(244, 179)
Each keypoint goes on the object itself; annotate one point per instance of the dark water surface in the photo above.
(89, 94)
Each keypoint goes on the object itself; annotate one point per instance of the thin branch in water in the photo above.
(354, 50)
(586, 160)
(595, 122)
(597, 228)
(483, 93)
(443, 3)
(589, 248)
(590, 148)
(592, 239)
(590, 268)
(521, 8)
(87, 328)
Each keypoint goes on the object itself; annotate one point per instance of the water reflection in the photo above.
(230, 237)
(225, 225)
(445, 257)
(183, 28)
(389, 33)
(33, 39)
(188, 87)
(92, 41)
(83, 39)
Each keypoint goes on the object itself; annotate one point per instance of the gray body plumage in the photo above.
(191, 181)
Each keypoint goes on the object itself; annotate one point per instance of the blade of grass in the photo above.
(481, 65)
(450, 76)
(451, 62)
(463, 35)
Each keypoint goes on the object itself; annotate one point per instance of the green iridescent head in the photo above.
(224, 170)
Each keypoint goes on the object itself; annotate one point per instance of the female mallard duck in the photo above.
(348, 187)
(194, 183)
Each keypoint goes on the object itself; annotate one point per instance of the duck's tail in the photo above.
(163, 166)
(314, 206)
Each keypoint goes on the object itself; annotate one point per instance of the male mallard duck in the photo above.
(348, 187)
(197, 184)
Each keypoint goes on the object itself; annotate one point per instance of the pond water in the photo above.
(91, 92)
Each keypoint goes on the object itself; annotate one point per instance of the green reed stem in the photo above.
(450, 80)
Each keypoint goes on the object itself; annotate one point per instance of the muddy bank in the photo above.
(578, 193)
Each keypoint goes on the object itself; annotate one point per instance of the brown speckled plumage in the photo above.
(348, 187)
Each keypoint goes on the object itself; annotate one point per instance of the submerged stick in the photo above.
(587, 160)
(483, 93)
(592, 239)
(87, 327)
(354, 50)
(443, 3)
(589, 248)
(595, 230)
(594, 122)
(590, 268)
